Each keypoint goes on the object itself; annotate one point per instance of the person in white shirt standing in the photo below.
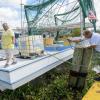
(94, 39)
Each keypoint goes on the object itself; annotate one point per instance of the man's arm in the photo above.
(92, 46)
(77, 40)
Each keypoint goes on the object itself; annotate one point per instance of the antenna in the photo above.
(81, 21)
(21, 17)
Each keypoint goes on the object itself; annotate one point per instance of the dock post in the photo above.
(80, 65)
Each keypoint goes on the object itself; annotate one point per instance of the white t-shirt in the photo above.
(95, 40)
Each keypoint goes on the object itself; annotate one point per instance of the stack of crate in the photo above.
(31, 45)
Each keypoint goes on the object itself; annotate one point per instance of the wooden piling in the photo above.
(80, 65)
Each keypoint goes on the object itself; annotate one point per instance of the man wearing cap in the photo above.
(94, 40)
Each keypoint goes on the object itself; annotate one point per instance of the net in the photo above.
(56, 15)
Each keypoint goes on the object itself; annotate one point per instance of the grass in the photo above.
(50, 86)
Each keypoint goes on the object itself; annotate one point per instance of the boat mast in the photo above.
(21, 18)
(81, 21)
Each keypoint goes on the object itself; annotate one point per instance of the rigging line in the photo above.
(47, 11)
(68, 12)
(45, 4)
(73, 18)
(70, 19)
(66, 17)
(37, 6)
(70, 15)
(60, 6)
(64, 5)
(72, 9)
(76, 20)
(57, 4)
(67, 3)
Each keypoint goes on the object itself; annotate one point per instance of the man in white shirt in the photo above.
(94, 40)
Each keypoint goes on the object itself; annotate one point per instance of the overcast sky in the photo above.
(10, 11)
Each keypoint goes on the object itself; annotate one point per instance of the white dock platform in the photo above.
(26, 70)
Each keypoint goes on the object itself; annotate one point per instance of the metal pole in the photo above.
(81, 21)
(21, 18)
(1, 24)
(94, 22)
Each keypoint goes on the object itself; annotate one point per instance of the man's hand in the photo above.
(77, 40)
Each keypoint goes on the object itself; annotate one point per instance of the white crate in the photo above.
(30, 45)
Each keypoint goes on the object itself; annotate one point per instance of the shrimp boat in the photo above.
(26, 69)
(49, 19)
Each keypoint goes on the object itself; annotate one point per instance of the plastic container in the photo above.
(48, 41)
(30, 45)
